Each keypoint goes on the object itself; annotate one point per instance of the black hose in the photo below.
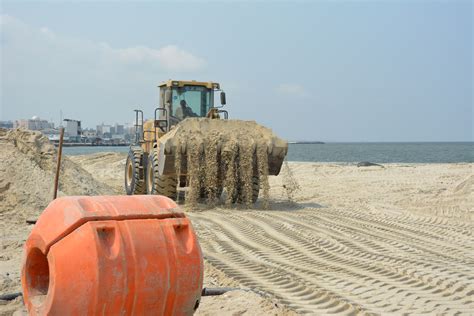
(205, 292)
(216, 291)
(9, 296)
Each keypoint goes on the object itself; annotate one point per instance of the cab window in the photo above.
(197, 99)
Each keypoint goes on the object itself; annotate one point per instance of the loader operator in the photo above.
(184, 111)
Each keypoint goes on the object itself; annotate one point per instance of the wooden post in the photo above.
(58, 167)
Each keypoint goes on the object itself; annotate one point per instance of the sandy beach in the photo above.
(336, 239)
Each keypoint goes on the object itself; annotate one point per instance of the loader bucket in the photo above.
(214, 139)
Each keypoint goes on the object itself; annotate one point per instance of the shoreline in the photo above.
(349, 163)
(89, 145)
(346, 153)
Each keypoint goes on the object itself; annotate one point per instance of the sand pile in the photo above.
(223, 155)
(105, 167)
(27, 167)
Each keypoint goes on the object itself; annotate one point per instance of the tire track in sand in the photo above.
(334, 261)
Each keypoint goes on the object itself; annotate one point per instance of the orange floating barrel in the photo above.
(112, 255)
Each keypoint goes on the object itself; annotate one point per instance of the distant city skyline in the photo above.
(328, 71)
(58, 123)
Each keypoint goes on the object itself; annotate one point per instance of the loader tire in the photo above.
(255, 188)
(134, 182)
(159, 184)
(238, 195)
(203, 194)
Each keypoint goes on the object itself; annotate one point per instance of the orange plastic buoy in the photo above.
(112, 255)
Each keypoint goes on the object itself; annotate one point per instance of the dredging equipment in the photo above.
(110, 255)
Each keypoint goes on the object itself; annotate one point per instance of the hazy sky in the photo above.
(331, 71)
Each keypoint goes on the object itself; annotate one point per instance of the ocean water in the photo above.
(383, 152)
(353, 152)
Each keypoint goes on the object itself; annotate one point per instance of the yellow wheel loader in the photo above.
(191, 145)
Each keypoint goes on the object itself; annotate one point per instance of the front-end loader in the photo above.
(163, 160)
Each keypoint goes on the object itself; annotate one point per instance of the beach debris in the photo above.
(10, 296)
(368, 164)
(58, 165)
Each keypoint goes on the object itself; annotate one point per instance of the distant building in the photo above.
(129, 128)
(118, 136)
(103, 129)
(73, 128)
(114, 134)
(90, 133)
(6, 124)
(119, 129)
(52, 134)
(34, 124)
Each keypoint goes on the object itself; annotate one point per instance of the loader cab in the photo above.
(183, 99)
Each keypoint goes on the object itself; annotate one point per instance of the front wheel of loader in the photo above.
(134, 183)
(217, 193)
(238, 195)
(156, 184)
(255, 188)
